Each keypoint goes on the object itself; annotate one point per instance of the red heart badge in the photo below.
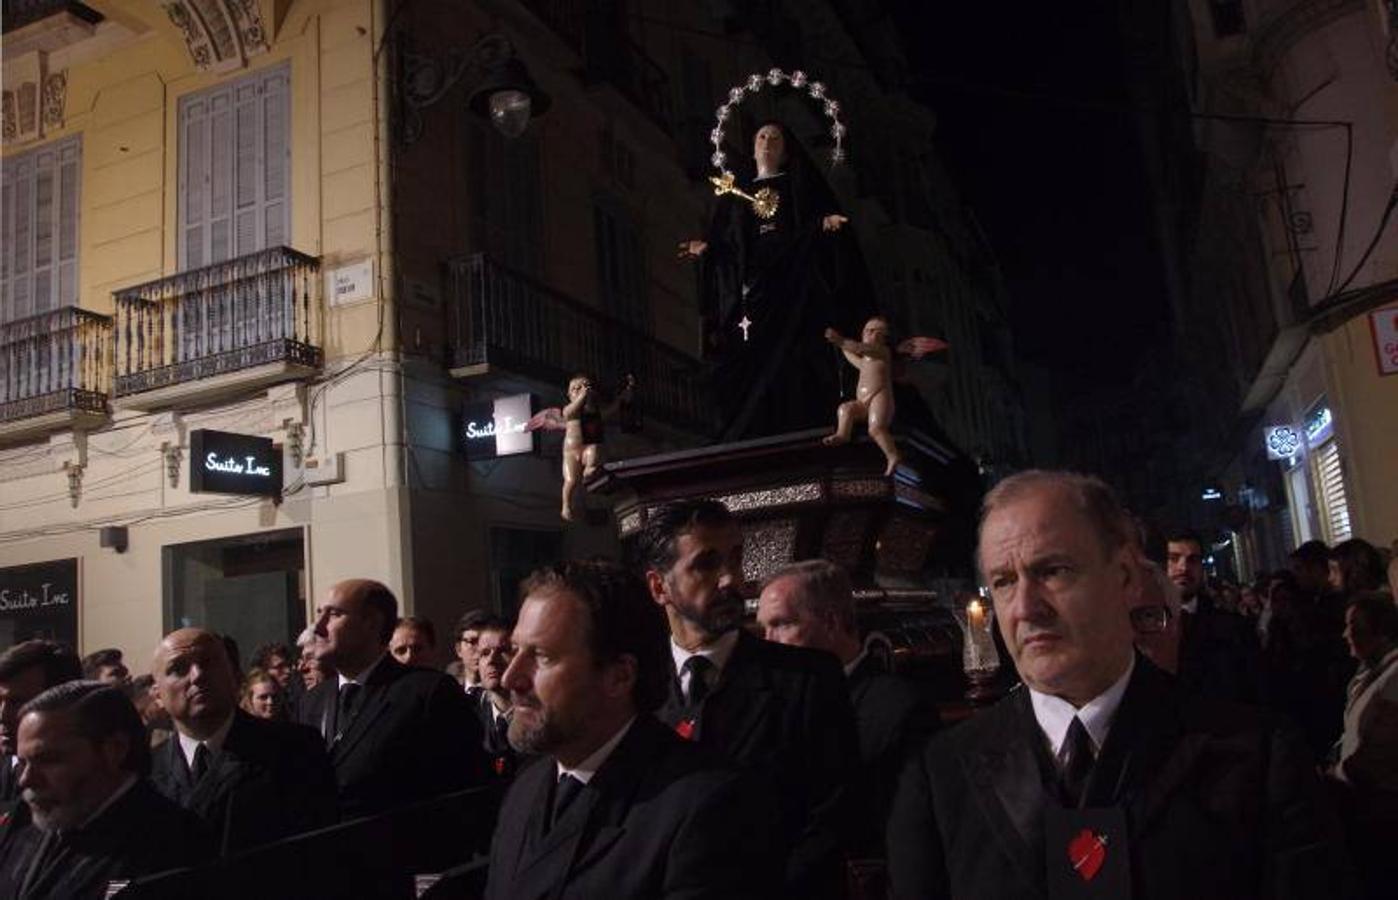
(1087, 852)
(685, 729)
(499, 765)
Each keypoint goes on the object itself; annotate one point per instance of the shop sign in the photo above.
(221, 462)
(1283, 441)
(497, 427)
(1320, 425)
(1384, 325)
(39, 600)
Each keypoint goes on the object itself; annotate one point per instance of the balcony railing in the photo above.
(504, 318)
(232, 316)
(57, 361)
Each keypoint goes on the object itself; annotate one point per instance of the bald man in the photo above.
(396, 734)
(252, 781)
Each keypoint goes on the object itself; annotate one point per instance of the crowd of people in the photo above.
(628, 735)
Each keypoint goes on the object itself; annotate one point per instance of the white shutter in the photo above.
(235, 155)
(39, 245)
(1330, 484)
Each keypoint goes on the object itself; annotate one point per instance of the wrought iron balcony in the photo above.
(55, 371)
(504, 319)
(227, 327)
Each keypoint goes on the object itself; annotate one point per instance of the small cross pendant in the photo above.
(745, 323)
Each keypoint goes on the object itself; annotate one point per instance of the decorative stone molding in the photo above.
(33, 99)
(55, 98)
(219, 32)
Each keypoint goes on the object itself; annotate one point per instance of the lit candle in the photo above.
(975, 614)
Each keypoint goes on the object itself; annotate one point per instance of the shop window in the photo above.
(235, 162)
(39, 230)
(251, 587)
(514, 553)
(1330, 489)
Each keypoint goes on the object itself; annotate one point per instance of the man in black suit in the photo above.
(88, 816)
(1099, 768)
(811, 604)
(26, 671)
(619, 806)
(494, 652)
(252, 781)
(1219, 652)
(396, 734)
(782, 712)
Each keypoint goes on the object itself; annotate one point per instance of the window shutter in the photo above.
(276, 152)
(39, 249)
(247, 175)
(1330, 480)
(69, 172)
(194, 174)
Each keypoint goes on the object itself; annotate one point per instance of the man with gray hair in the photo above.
(1097, 777)
(1155, 616)
(811, 604)
(89, 816)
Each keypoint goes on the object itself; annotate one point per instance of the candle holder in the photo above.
(979, 658)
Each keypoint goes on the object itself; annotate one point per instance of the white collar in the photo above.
(496, 713)
(718, 652)
(1191, 605)
(189, 743)
(1054, 714)
(854, 663)
(116, 795)
(363, 677)
(585, 770)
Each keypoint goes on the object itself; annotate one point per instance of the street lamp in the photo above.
(504, 93)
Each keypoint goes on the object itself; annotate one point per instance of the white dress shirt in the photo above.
(1054, 714)
(363, 677)
(189, 744)
(717, 653)
(585, 770)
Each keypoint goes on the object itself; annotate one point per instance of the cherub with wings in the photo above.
(581, 422)
(873, 395)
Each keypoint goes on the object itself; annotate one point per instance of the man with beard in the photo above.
(783, 712)
(251, 780)
(26, 671)
(1219, 653)
(89, 817)
(1099, 777)
(619, 807)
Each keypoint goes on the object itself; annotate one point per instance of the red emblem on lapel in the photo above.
(685, 729)
(4, 818)
(499, 765)
(1087, 852)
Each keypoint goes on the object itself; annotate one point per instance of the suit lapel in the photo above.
(373, 703)
(1008, 780)
(740, 701)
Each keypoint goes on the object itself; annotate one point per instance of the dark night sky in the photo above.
(1058, 188)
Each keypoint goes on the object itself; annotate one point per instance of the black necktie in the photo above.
(1077, 762)
(563, 796)
(201, 762)
(344, 707)
(699, 668)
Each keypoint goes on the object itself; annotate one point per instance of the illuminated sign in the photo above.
(1384, 325)
(39, 600)
(497, 427)
(225, 463)
(1211, 493)
(1320, 425)
(1283, 441)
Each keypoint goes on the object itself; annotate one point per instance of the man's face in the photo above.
(264, 699)
(555, 685)
(495, 652)
(309, 667)
(14, 693)
(468, 654)
(769, 146)
(193, 678)
(1357, 635)
(1060, 598)
(115, 674)
(1184, 563)
(702, 587)
(347, 632)
(1335, 576)
(64, 776)
(1161, 645)
(785, 619)
(410, 646)
(279, 667)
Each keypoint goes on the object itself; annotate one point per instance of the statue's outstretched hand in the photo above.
(833, 222)
(692, 249)
(834, 337)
